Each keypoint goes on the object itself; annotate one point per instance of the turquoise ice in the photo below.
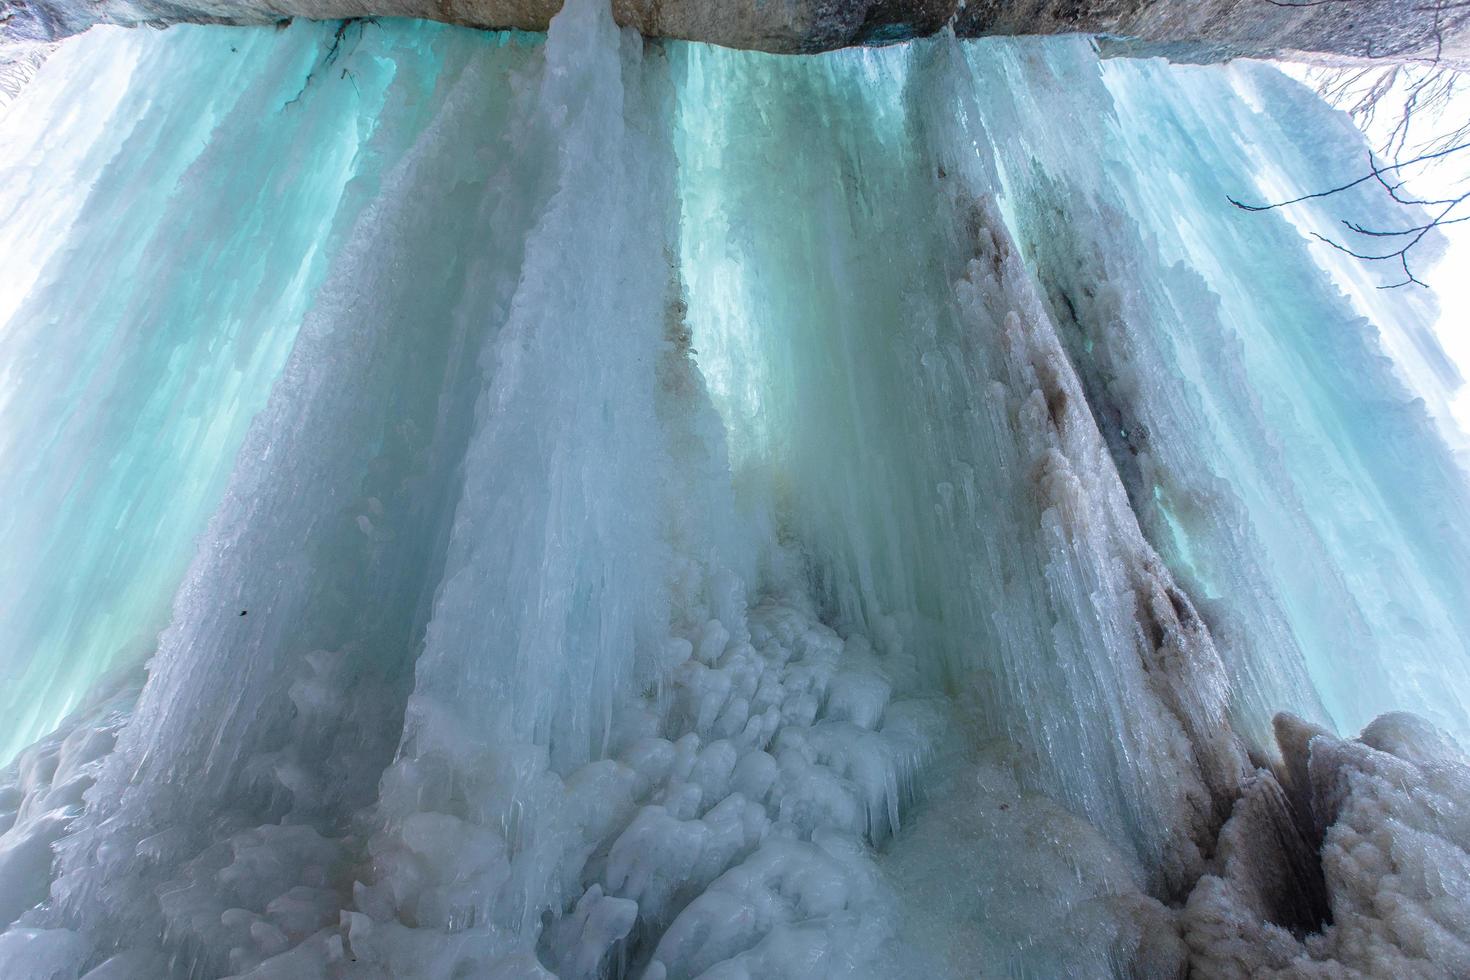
(477, 504)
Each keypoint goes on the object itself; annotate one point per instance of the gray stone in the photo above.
(1185, 30)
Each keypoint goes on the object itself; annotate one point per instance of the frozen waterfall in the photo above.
(485, 505)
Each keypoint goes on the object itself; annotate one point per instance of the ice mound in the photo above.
(734, 837)
(704, 853)
(42, 793)
(738, 826)
(1350, 859)
(1374, 845)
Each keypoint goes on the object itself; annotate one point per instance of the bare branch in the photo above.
(1359, 229)
(1403, 102)
(1375, 173)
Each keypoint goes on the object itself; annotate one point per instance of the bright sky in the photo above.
(1452, 285)
(1450, 277)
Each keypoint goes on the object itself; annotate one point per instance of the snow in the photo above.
(639, 509)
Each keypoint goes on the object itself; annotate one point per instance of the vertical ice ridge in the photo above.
(575, 314)
(552, 588)
(1125, 635)
(153, 179)
(1256, 492)
(1032, 585)
(276, 684)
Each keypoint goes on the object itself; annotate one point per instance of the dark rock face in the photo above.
(1191, 30)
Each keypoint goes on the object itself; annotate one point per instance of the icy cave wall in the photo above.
(597, 507)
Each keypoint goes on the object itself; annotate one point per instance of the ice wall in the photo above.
(650, 510)
(121, 416)
(1271, 449)
(925, 432)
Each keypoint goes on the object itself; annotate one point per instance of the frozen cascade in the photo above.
(640, 509)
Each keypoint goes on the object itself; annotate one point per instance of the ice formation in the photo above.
(639, 509)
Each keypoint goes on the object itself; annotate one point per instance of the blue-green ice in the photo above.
(487, 505)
